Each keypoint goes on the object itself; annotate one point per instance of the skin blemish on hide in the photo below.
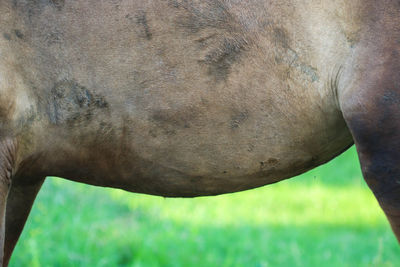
(54, 37)
(19, 34)
(270, 162)
(284, 54)
(7, 36)
(206, 14)
(391, 98)
(35, 7)
(173, 3)
(310, 72)
(72, 103)
(171, 121)
(221, 59)
(281, 37)
(58, 4)
(238, 119)
(117, 4)
(141, 19)
(203, 40)
(250, 147)
(352, 38)
(218, 32)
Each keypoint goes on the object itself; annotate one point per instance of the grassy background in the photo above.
(326, 217)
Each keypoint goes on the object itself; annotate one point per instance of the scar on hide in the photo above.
(141, 19)
(285, 54)
(19, 34)
(72, 103)
(238, 119)
(54, 37)
(220, 60)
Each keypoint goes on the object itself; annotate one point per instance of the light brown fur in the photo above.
(181, 98)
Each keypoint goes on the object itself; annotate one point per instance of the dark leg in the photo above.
(7, 160)
(379, 155)
(19, 204)
(372, 112)
(4, 186)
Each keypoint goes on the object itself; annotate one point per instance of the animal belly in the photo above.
(223, 148)
(222, 154)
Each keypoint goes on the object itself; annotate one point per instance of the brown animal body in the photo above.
(188, 98)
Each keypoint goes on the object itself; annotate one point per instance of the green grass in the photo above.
(326, 217)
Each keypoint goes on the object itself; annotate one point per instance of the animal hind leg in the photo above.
(373, 117)
(379, 154)
(21, 196)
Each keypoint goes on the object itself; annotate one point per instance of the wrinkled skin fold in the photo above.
(183, 98)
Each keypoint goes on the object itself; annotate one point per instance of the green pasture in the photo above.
(326, 217)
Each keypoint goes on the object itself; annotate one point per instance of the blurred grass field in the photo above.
(326, 217)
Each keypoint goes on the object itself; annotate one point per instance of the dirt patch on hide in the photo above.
(72, 103)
